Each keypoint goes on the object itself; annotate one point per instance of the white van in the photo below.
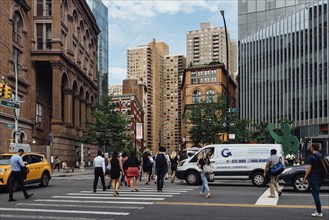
(231, 162)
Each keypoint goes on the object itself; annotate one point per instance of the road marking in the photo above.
(302, 194)
(65, 211)
(80, 206)
(239, 205)
(129, 195)
(46, 217)
(150, 190)
(93, 201)
(264, 200)
(134, 193)
(108, 197)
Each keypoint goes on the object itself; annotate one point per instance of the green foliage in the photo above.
(261, 135)
(204, 121)
(107, 127)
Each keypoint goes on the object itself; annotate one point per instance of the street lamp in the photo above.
(16, 91)
(227, 71)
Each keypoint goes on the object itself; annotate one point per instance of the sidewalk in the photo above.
(77, 172)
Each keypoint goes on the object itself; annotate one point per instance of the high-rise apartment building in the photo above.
(174, 66)
(146, 63)
(284, 72)
(115, 90)
(256, 14)
(208, 45)
(100, 12)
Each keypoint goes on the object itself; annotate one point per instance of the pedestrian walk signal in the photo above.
(222, 137)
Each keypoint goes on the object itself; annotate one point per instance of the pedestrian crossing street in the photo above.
(85, 204)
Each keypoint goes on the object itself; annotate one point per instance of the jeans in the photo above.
(160, 179)
(205, 187)
(315, 184)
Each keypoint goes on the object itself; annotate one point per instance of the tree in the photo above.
(107, 127)
(261, 135)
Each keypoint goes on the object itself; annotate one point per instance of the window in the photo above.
(63, 39)
(43, 36)
(206, 76)
(17, 28)
(18, 59)
(213, 76)
(64, 11)
(210, 96)
(43, 7)
(35, 158)
(38, 116)
(199, 77)
(193, 78)
(196, 97)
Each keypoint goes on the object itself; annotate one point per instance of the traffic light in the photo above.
(2, 90)
(223, 137)
(7, 92)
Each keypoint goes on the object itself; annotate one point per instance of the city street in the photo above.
(71, 197)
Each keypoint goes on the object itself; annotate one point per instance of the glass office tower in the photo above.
(284, 71)
(100, 12)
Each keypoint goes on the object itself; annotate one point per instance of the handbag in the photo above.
(207, 168)
(132, 171)
(210, 177)
(277, 168)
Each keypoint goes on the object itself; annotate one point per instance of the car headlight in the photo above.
(286, 170)
(2, 170)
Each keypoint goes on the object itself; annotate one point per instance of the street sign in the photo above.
(231, 124)
(224, 124)
(231, 136)
(9, 104)
(232, 110)
(10, 125)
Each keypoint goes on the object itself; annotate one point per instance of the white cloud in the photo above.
(117, 74)
(132, 10)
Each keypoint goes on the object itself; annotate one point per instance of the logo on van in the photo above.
(226, 152)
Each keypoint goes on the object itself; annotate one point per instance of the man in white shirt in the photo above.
(99, 165)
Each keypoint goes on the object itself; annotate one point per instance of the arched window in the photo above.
(196, 97)
(17, 27)
(64, 11)
(82, 31)
(75, 23)
(210, 96)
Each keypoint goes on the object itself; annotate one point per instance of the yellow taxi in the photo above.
(38, 169)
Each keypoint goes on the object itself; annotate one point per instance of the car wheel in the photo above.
(299, 185)
(258, 179)
(192, 178)
(44, 179)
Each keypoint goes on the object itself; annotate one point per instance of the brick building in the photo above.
(54, 43)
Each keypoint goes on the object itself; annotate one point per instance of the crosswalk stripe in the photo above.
(93, 201)
(148, 190)
(154, 189)
(114, 198)
(134, 193)
(65, 211)
(80, 206)
(46, 217)
(129, 195)
(265, 200)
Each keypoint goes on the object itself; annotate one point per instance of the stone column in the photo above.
(68, 107)
(56, 93)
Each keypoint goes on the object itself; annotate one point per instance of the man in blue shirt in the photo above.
(17, 175)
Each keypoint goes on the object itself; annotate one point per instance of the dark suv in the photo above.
(293, 176)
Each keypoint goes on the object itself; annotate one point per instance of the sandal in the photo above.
(208, 195)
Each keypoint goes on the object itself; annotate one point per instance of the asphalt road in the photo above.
(68, 198)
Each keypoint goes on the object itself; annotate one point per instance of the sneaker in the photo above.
(318, 215)
(29, 196)
(208, 195)
(280, 193)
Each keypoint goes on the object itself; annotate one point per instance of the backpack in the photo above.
(160, 160)
(146, 163)
(325, 165)
(277, 168)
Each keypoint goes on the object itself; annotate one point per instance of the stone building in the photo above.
(54, 44)
(203, 84)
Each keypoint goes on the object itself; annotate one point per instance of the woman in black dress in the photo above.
(116, 168)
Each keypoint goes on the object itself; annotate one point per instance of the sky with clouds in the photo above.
(135, 22)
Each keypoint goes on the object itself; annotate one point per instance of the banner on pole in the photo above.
(139, 131)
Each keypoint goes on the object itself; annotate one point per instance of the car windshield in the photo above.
(5, 159)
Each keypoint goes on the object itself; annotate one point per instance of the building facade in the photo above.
(208, 44)
(255, 14)
(54, 44)
(129, 105)
(284, 72)
(100, 12)
(203, 84)
(145, 63)
(115, 90)
(174, 66)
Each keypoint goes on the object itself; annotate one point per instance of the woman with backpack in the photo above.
(174, 164)
(116, 168)
(146, 167)
(132, 171)
(204, 161)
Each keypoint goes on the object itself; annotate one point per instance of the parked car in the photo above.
(38, 169)
(293, 176)
(230, 162)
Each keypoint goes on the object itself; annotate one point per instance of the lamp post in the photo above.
(227, 72)
(16, 90)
